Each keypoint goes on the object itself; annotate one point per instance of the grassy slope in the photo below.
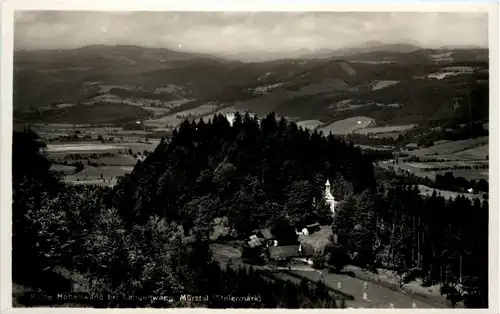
(308, 92)
(98, 113)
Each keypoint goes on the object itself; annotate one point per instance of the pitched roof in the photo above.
(266, 233)
(313, 225)
(284, 251)
(254, 242)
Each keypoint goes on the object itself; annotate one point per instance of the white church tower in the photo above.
(329, 198)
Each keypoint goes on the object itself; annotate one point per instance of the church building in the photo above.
(329, 198)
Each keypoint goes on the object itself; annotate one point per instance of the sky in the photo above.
(236, 32)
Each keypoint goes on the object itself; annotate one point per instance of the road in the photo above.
(376, 296)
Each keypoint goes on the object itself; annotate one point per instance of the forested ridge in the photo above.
(250, 172)
(149, 235)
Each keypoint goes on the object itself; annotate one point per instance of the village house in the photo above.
(284, 252)
(261, 237)
(287, 253)
(309, 229)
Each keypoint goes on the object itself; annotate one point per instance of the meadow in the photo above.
(103, 162)
(200, 111)
(423, 170)
(454, 147)
(166, 121)
(147, 104)
(385, 129)
(309, 124)
(347, 126)
(480, 152)
(65, 169)
(427, 191)
(466, 158)
(382, 84)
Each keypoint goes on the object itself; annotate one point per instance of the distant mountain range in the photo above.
(169, 54)
(367, 47)
(302, 83)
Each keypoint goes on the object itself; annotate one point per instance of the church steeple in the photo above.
(329, 198)
(327, 188)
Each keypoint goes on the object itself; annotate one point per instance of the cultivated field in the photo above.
(166, 121)
(103, 162)
(480, 152)
(88, 134)
(422, 170)
(443, 75)
(107, 88)
(78, 147)
(346, 67)
(169, 89)
(85, 148)
(309, 124)
(383, 148)
(267, 88)
(393, 135)
(451, 147)
(175, 119)
(200, 111)
(119, 160)
(92, 175)
(347, 106)
(465, 158)
(382, 84)
(347, 126)
(385, 129)
(65, 169)
(148, 104)
(425, 190)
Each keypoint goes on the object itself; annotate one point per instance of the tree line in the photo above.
(443, 241)
(154, 240)
(252, 172)
(149, 234)
(446, 181)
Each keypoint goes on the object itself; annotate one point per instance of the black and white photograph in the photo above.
(251, 159)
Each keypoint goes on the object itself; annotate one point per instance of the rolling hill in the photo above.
(308, 88)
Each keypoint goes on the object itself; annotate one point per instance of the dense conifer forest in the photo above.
(149, 234)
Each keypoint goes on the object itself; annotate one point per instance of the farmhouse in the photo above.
(284, 252)
(262, 236)
(291, 252)
(254, 242)
(312, 228)
(309, 229)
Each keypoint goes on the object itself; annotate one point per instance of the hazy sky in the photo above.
(216, 32)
